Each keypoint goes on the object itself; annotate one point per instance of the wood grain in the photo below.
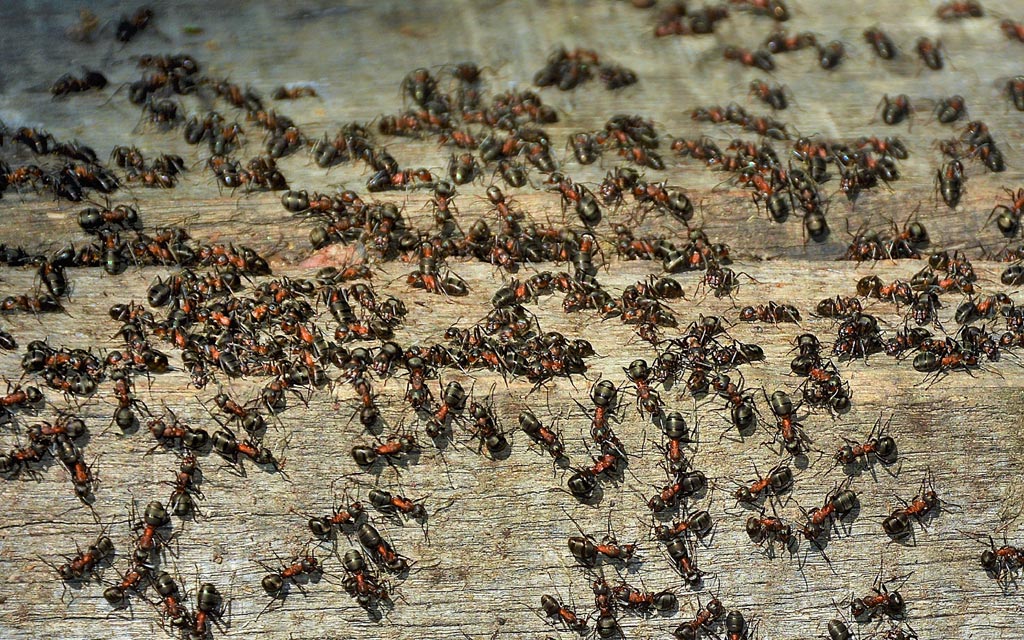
(498, 527)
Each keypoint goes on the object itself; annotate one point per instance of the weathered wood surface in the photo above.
(497, 529)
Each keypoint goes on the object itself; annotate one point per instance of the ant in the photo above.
(839, 502)
(949, 181)
(643, 601)
(1001, 563)
(86, 562)
(960, 10)
(68, 83)
(173, 610)
(453, 401)
(229, 447)
(883, 601)
(706, 616)
(1008, 220)
(381, 549)
(181, 502)
(898, 524)
(772, 95)
(772, 312)
(149, 541)
(648, 400)
(763, 528)
(586, 549)
(880, 41)
(548, 439)
(209, 608)
(684, 485)
(895, 110)
(722, 281)
(294, 93)
(486, 428)
(252, 422)
(139, 572)
(831, 55)
(389, 503)
(394, 447)
(795, 439)
(699, 524)
(778, 480)
(554, 609)
(129, 26)
(879, 444)
(304, 567)
(361, 583)
(930, 52)
(760, 59)
(673, 426)
(951, 109)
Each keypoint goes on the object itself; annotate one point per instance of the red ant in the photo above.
(275, 583)
(86, 562)
(959, 10)
(154, 517)
(586, 549)
(878, 444)
(699, 524)
(209, 608)
(1001, 563)
(230, 448)
(782, 42)
(548, 439)
(453, 400)
(554, 609)
(643, 601)
(381, 549)
(898, 524)
(684, 485)
(486, 428)
(1012, 30)
(838, 503)
(361, 583)
(763, 528)
(882, 602)
(387, 502)
(703, 621)
(394, 447)
(131, 581)
(779, 479)
(182, 503)
(930, 52)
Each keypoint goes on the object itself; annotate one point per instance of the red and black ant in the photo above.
(930, 53)
(555, 609)
(778, 480)
(959, 10)
(706, 617)
(839, 502)
(394, 447)
(899, 526)
(361, 583)
(184, 486)
(68, 83)
(381, 549)
(882, 602)
(586, 549)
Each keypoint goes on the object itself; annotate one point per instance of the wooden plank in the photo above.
(497, 528)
